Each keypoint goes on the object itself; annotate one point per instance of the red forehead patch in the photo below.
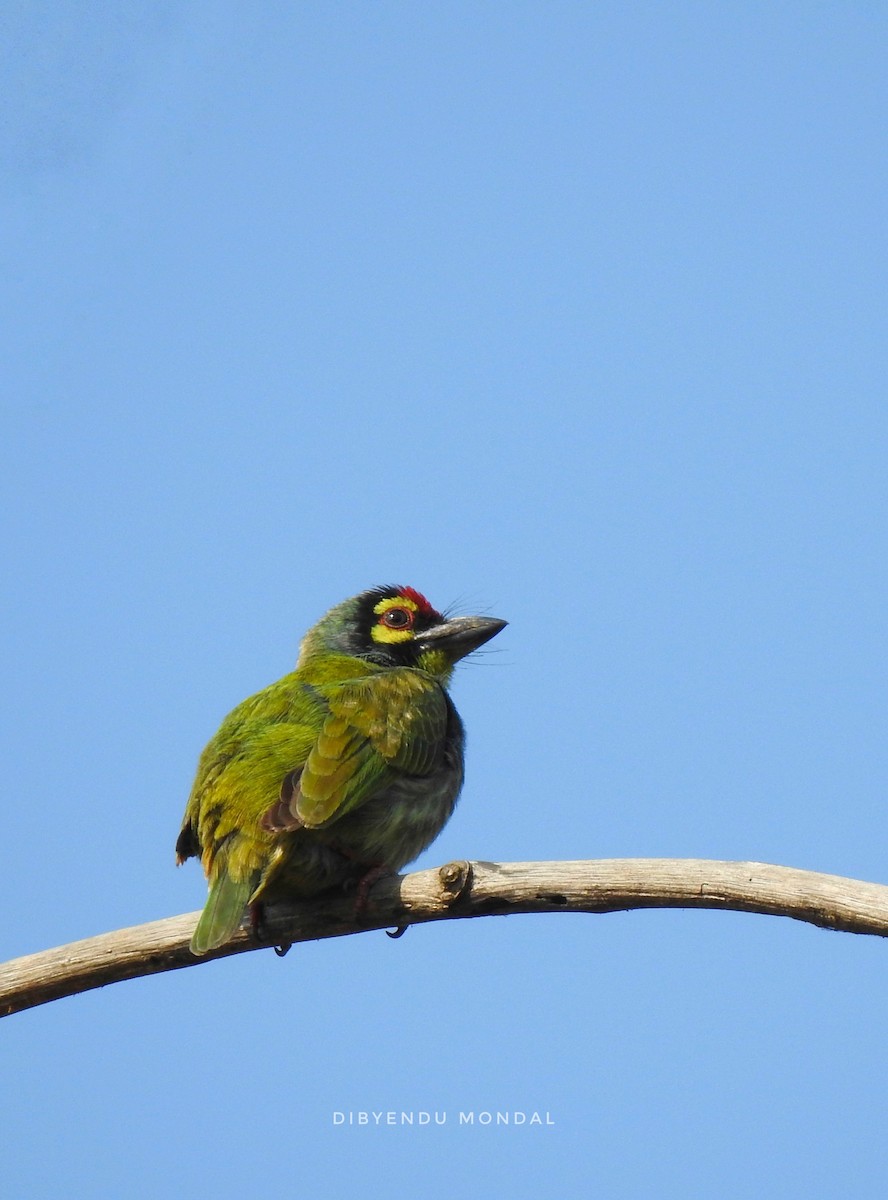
(419, 600)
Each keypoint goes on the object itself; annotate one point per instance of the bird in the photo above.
(345, 769)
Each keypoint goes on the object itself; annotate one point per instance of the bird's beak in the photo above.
(459, 636)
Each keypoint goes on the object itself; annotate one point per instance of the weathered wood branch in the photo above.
(462, 889)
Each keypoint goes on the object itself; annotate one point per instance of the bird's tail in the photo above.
(222, 912)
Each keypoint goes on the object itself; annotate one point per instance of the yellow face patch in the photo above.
(387, 611)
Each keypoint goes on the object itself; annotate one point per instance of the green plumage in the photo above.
(351, 763)
(222, 911)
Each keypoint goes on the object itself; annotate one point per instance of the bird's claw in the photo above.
(365, 883)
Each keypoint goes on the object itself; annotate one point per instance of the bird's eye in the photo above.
(397, 618)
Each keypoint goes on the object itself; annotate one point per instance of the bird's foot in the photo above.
(257, 920)
(259, 929)
(365, 883)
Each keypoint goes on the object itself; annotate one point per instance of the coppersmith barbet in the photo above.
(350, 764)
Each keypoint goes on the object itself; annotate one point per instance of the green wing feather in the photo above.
(378, 726)
(240, 769)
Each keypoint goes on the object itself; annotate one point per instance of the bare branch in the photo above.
(462, 889)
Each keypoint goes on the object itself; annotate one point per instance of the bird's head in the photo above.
(397, 627)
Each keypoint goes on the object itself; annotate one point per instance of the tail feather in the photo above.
(222, 912)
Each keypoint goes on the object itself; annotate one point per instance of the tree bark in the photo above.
(460, 889)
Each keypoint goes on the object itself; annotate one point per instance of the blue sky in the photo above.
(570, 313)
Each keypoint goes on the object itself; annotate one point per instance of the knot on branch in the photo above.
(456, 881)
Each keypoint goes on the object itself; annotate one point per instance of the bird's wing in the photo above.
(377, 725)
